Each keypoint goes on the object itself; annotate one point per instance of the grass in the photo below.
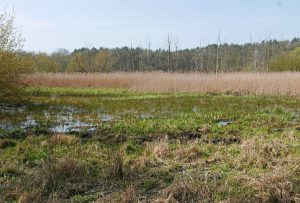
(159, 147)
(275, 84)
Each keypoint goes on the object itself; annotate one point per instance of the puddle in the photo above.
(58, 122)
(146, 116)
(6, 126)
(223, 122)
(29, 122)
(71, 126)
(106, 118)
(12, 109)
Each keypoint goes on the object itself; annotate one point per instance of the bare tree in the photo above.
(169, 44)
(10, 37)
(140, 62)
(217, 60)
(255, 59)
(88, 56)
(131, 56)
(176, 54)
(148, 55)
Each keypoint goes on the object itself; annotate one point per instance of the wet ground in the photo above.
(66, 114)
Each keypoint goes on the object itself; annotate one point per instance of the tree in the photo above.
(10, 38)
(169, 44)
(43, 63)
(13, 67)
(217, 59)
(287, 61)
(103, 61)
(61, 57)
(78, 63)
(132, 53)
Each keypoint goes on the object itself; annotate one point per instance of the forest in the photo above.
(264, 56)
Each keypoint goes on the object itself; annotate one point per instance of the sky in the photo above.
(48, 25)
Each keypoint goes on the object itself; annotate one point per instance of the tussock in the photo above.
(188, 153)
(58, 179)
(116, 166)
(273, 186)
(129, 195)
(286, 83)
(192, 187)
(157, 150)
(62, 139)
(260, 153)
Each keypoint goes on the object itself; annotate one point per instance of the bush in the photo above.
(287, 62)
(13, 67)
(13, 70)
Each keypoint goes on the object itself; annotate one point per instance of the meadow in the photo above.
(165, 145)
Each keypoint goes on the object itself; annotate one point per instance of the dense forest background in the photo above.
(267, 55)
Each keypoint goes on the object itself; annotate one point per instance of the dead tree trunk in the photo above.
(217, 60)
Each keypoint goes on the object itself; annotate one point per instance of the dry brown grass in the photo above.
(257, 152)
(286, 83)
(129, 195)
(189, 153)
(191, 187)
(160, 149)
(62, 139)
(116, 167)
(274, 186)
(58, 179)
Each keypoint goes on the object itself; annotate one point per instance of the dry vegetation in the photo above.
(287, 83)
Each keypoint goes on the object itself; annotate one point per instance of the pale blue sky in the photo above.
(51, 24)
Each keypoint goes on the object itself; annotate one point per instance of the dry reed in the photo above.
(280, 84)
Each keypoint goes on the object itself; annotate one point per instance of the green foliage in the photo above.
(61, 57)
(12, 67)
(87, 60)
(231, 57)
(43, 63)
(103, 61)
(287, 62)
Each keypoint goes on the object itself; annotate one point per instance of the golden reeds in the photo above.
(286, 83)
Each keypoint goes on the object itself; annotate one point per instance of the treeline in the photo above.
(270, 55)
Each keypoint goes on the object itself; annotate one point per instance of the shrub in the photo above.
(287, 62)
(12, 70)
(13, 67)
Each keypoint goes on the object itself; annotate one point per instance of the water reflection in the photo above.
(106, 117)
(58, 119)
(71, 126)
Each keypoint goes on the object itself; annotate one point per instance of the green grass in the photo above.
(155, 145)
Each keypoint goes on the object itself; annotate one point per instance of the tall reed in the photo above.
(286, 83)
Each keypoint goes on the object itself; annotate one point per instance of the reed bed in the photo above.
(275, 84)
